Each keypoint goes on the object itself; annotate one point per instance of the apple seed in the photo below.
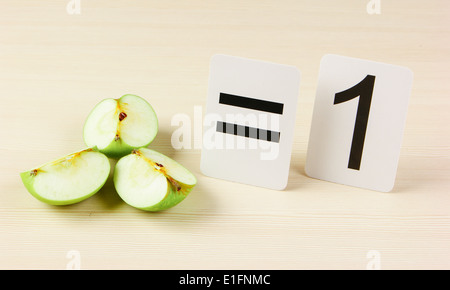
(122, 116)
(34, 172)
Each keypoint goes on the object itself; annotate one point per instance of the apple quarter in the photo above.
(358, 121)
(249, 121)
(151, 181)
(69, 179)
(117, 126)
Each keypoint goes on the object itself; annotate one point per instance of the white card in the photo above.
(249, 121)
(358, 121)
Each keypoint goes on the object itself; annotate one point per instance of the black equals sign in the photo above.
(254, 104)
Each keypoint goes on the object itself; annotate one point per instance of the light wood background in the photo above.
(54, 67)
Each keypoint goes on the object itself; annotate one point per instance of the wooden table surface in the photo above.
(56, 64)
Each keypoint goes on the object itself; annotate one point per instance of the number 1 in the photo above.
(364, 89)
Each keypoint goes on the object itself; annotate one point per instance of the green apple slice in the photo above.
(151, 181)
(69, 179)
(117, 126)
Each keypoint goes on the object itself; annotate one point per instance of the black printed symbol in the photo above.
(249, 132)
(363, 90)
(250, 103)
(253, 104)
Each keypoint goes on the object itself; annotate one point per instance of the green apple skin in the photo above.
(173, 197)
(176, 190)
(28, 179)
(118, 147)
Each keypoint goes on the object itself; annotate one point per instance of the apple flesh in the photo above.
(69, 179)
(151, 181)
(117, 126)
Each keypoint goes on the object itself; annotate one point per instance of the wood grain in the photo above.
(54, 67)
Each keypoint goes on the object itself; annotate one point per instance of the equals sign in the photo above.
(254, 104)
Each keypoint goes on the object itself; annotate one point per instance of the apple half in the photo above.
(151, 181)
(117, 126)
(69, 179)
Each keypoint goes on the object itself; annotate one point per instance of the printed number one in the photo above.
(364, 89)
